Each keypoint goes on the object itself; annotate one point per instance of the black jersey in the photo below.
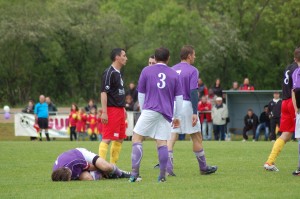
(112, 84)
(287, 83)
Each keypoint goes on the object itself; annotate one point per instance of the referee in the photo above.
(41, 116)
(113, 103)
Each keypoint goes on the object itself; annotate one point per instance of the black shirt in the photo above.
(264, 118)
(287, 83)
(218, 91)
(275, 108)
(251, 121)
(112, 84)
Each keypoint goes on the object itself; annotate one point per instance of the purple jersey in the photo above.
(73, 160)
(296, 78)
(160, 84)
(188, 75)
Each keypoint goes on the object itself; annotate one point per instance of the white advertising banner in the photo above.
(58, 125)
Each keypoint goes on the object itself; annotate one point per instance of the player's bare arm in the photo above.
(104, 117)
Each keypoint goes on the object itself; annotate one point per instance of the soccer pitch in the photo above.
(25, 171)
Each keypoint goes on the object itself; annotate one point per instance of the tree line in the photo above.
(60, 47)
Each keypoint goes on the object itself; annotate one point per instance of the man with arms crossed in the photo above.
(287, 120)
(113, 103)
(158, 88)
(190, 124)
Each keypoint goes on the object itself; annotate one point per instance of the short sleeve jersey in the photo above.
(41, 110)
(161, 85)
(112, 84)
(296, 78)
(188, 76)
(74, 160)
(287, 83)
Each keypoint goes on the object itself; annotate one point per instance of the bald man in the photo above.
(41, 116)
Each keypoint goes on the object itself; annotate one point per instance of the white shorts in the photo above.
(297, 128)
(186, 120)
(154, 125)
(88, 156)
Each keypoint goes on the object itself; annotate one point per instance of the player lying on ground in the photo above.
(81, 164)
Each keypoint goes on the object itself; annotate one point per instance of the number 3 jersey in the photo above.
(161, 85)
(287, 84)
(188, 76)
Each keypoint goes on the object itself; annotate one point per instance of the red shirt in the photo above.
(73, 118)
(246, 87)
(92, 121)
(204, 107)
(81, 122)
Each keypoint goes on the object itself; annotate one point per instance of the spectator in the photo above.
(92, 123)
(132, 91)
(251, 122)
(219, 115)
(73, 121)
(246, 86)
(99, 124)
(204, 108)
(90, 105)
(129, 104)
(235, 86)
(30, 110)
(264, 123)
(51, 107)
(211, 97)
(41, 116)
(81, 124)
(151, 60)
(275, 114)
(202, 89)
(217, 88)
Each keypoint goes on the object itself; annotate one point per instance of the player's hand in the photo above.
(176, 123)
(194, 120)
(104, 118)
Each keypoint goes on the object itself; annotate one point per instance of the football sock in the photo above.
(163, 160)
(201, 159)
(299, 154)
(103, 147)
(136, 157)
(277, 147)
(170, 162)
(47, 136)
(115, 150)
(116, 171)
(41, 135)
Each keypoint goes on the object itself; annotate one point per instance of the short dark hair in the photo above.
(186, 51)
(61, 174)
(297, 54)
(116, 52)
(152, 57)
(162, 54)
(250, 109)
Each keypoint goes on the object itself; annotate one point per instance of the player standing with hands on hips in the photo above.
(113, 103)
(158, 89)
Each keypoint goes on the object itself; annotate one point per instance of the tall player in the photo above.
(190, 124)
(113, 103)
(158, 88)
(296, 103)
(287, 120)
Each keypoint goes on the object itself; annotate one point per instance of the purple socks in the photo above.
(201, 159)
(163, 160)
(136, 157)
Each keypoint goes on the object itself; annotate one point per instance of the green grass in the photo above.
(25, 171)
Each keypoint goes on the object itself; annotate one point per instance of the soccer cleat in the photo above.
(270, 167)
(170, 174)
(209, 170)
(135, 179)
(296, 173)
(161, 179)
(156, 166)
(125, 174)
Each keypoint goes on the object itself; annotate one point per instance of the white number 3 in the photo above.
(162, 83)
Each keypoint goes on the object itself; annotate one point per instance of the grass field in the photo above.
(25, 171)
